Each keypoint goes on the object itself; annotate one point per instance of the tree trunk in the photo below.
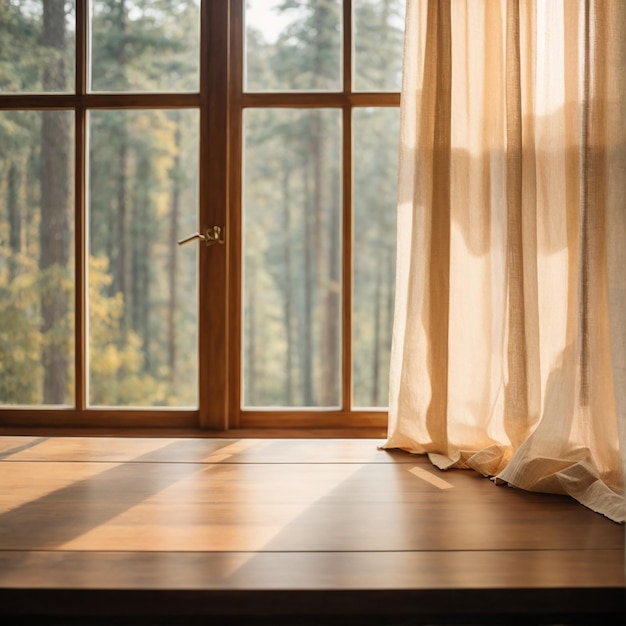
(324, 21)
(377, 328)
(390, 297)
(119, 270)
(119, 260)
(15, 219)
(250, 379)
(306, 345)
(172, 256)
(288, 290)
(54, 228)
(332, 297)
(322, 282)
(144, 247)
(140, 243)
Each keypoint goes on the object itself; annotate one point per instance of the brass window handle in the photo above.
(212, 235)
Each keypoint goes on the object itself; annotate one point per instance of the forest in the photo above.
(142, 196)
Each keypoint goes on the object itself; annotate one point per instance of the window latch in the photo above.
(212, 235)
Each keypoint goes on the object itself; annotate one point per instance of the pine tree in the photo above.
(54, 237)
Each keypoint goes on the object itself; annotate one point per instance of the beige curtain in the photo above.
(509, 349)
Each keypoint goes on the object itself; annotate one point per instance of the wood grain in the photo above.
(274, 527)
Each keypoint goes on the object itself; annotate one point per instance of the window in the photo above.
(126, 126)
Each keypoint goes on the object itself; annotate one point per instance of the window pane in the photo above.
(293, 45)
(36, 258)
(145, 46)
(292, 268)
(37, 46)
(142, 287)
(378, 43)
(375, 175)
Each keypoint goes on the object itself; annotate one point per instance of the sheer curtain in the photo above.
(509, 348)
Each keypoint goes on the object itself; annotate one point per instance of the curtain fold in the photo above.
(509, 344)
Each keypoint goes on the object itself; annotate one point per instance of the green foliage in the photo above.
(309, 50)
(292, 209)
(117, 365)
(22, 338)
(117, 369)
(20, 56)
(20, 341)
(142, 196)
(375, 174)
(23, 56)
(379, 35)
(131, 213)
(148, 45)
(143, 192)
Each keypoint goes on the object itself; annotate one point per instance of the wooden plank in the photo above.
(220, 505)
(197, 450)
(429, 570)
(266, 529)
(132, 432)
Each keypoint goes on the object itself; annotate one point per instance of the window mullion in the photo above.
(213, 199)
(234, 218)
(82, 30)
(80, 259)
(80, 225)
(347, 46)
(346, 283)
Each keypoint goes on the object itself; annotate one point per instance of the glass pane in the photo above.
(36, 258)
(293, 45)
(375, 175)
(143, 185)
(292, 268)
(37, 43)
(378, 44)
(149, 45)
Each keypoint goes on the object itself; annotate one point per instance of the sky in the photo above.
(262, 16)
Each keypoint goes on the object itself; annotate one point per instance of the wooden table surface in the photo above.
(266, 528)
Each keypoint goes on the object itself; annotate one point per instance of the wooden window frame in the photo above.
(221, 102)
